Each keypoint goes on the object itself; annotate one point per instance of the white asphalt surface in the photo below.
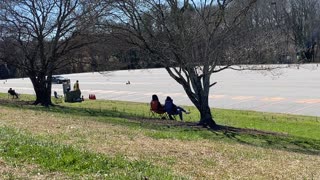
(292, 90)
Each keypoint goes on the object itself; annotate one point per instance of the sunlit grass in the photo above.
(20, 147)
(302, 126)
(113, 129)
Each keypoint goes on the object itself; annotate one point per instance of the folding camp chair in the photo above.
(159, 114)
(13, 94)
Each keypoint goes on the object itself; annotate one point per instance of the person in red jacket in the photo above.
(156, 106)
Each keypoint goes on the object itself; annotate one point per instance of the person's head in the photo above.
(168, 98)
(77, 81)
(10, 89)
(155, 98)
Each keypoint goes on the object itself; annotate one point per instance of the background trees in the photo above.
(193, 39)
(298, 20)
(37, 36)
(302, 19)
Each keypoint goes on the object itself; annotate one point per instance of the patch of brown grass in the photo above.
(201, 159)
(26, 171)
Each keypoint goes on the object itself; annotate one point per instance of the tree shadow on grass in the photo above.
(76, 111)
(251, 137)
(271, 140)
(257, 138)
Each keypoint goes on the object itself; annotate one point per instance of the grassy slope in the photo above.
(102, 127)
(301, 126)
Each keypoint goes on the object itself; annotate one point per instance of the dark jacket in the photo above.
(169, 107)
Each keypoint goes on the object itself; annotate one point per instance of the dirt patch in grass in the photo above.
(219, 128)
(16, 102)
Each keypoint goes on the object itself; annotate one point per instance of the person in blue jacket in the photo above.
(173, 109)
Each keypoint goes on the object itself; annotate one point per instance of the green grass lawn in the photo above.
(19, 147)
(50, 133)
(302, 126)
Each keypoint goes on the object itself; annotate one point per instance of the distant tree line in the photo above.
(295, 22)
(292, 28)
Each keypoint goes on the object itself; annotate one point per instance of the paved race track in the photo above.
(292, 90)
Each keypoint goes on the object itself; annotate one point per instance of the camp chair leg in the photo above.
(152, 114)
(171, 116)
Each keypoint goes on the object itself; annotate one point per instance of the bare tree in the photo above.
(37, 35)
(267, 20)
(302, 19)
(193, 39)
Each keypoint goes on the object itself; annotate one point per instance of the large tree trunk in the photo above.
(197, 89)
(200, 95)
(205, 116)
(202, 104)
(42, 88)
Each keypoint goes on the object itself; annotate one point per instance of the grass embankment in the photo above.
(118, 140)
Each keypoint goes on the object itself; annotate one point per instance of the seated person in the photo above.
(13, 93)
(73, 96)
(156, 106)
(172, 109)
(56, 95)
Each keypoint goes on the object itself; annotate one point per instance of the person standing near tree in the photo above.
(76, 86)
